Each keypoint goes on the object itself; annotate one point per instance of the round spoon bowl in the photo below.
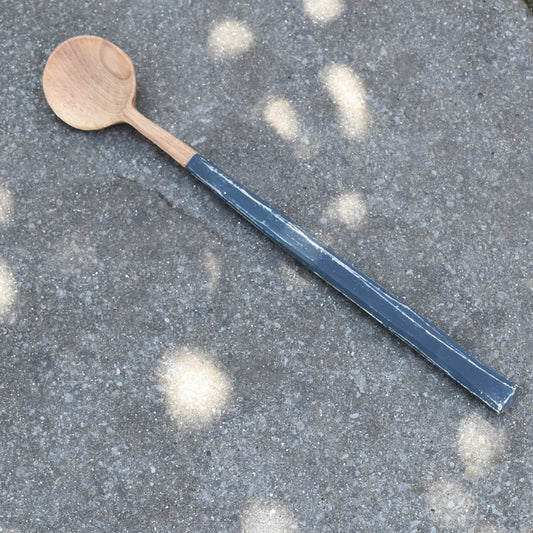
(89, 82)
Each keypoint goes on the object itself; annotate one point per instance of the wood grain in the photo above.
(87, 81)
(175, 148)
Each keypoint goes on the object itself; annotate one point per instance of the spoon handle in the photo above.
(175, 148)
(497, 391)
(492, 388)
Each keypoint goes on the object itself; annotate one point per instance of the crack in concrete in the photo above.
(197, 220)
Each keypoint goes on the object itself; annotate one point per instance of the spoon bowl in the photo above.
(89, 82)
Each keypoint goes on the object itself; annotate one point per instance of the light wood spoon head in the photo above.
(89, 82)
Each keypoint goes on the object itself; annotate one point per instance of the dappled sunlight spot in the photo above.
(479, 444)
(486, 528)
(213, 270)
(76, 253)
(8, 289)
(324, 10)
(293, 278)
(6, 205)
(270, 517)
(282, 117)
(230, 38)
(348, 93)
(450, 504)
(196, 390)
(350, 209)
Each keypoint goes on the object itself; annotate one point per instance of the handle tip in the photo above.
(510, 400)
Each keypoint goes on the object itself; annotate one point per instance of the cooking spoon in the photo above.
(90, 84)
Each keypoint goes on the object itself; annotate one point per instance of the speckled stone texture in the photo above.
(164, 367)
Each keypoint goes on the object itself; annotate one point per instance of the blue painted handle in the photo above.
(497, 391)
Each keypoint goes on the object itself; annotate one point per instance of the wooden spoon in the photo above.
(90, 84)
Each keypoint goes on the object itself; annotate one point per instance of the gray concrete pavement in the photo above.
(163, 367)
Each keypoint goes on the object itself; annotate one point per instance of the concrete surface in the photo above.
(165, 368)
